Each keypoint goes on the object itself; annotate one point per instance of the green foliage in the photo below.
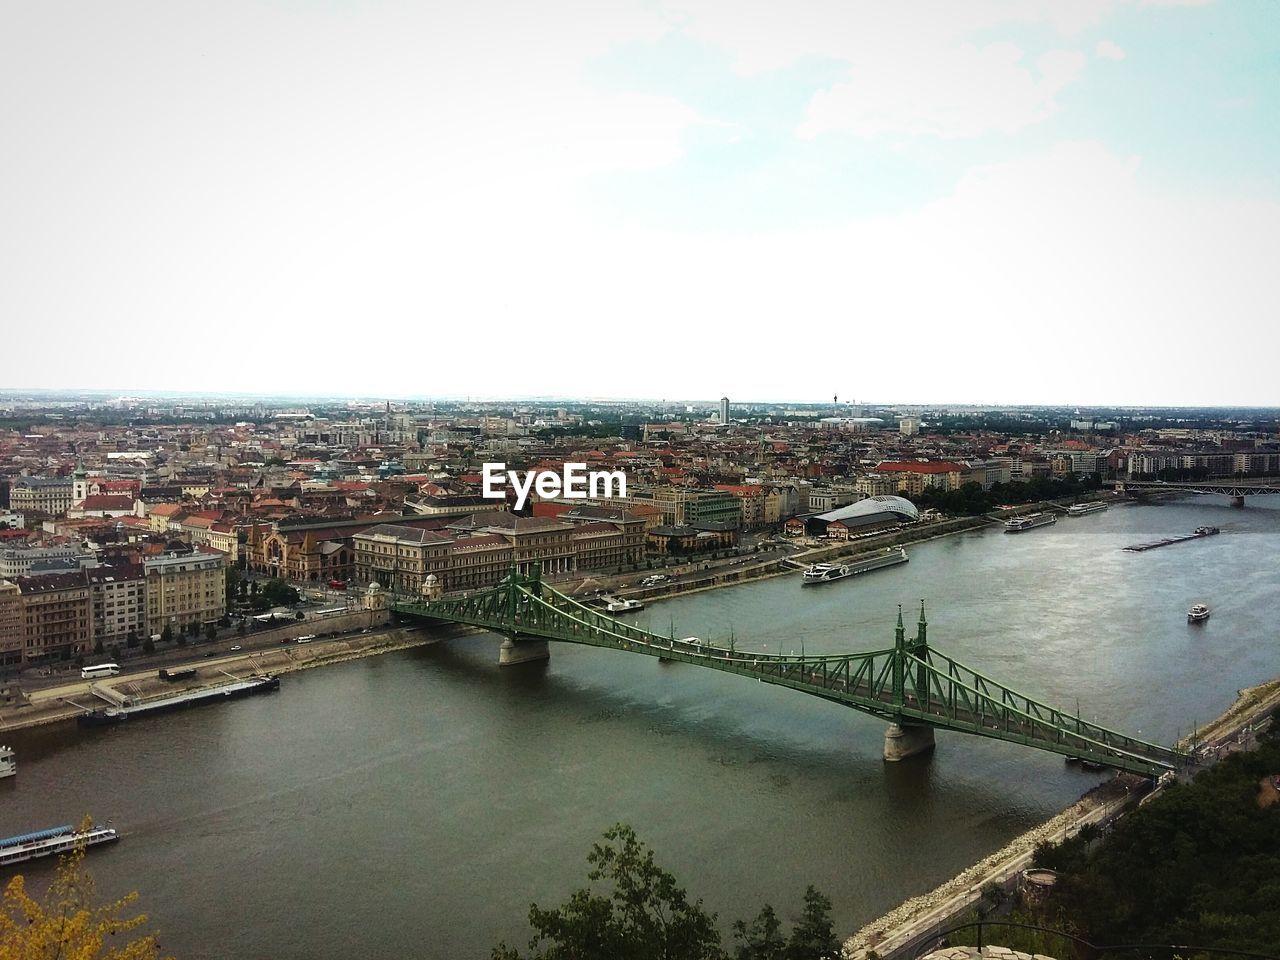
(1200, 864)
(641, 913)
(166, 635)
(971, 499)
(211, 632)
(273, 593)
(148, 645)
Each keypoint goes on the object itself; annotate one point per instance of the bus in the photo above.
(101, 670)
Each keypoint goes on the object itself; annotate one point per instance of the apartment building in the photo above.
(118, 598)
(48, 495)
(57, 617)
(184, 588)
(12, 625)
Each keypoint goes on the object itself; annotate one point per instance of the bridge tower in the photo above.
(904, 739)
(516, 648)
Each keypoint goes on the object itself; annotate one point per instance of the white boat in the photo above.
(1030, 521)
(826, 572)
(623, 606)
(46, 843)
(8, 765)
(1198, 613)
(1083, 509)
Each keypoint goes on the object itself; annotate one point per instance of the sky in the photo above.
(994, 201)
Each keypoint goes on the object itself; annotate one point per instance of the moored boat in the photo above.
(623, 606)
(189, 698)
(8, 765)
(1084, 509)
(1198, 613)
(826, 572)
(1029, 521)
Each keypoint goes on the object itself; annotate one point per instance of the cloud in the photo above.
(960, 92)
(1108, 50)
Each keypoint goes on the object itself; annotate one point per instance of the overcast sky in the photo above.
(984, 201)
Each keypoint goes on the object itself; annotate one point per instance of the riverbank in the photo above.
(905, 928)
(65, 703)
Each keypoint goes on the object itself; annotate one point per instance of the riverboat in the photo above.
(1084, 509)
(826, 572)
(190, 698)
(8, 765)
(623, 606)
(1030, 521)
(46, 843)
(1198, 613)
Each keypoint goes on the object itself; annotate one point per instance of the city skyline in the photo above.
(1012, 204)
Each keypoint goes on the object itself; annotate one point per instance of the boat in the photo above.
(623, 606)
(1195, 535)
(1084, 509)
(8, 765)
(189, 698)
(826, 572)
(46, 843)
(1029, 521)
(1198, 613)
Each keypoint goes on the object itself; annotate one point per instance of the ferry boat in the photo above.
(1084, 509)
(1198, 613)
(623, 606)
(826, 572)
(8, 765)
(46, 843)
(1029, 521)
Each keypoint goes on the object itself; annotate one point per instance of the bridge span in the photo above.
(914, 687)
(1236, 489)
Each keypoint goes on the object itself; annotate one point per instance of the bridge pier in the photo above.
(1237, 502)
(904, 740)
(522, 650)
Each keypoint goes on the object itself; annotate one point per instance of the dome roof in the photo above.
(899, 506)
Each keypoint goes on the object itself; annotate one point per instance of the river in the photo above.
(413, 804)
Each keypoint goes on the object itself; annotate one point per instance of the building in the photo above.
(681, 539)
(45, 495)
(57, 617)
(909, 426)
(184, 587)
(118, 598)
(400, 558)
(915, 476)
(12, 625)
(865, 516)
(18, 561)
(724, 409)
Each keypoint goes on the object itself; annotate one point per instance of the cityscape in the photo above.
(161, 553)
(644, 480)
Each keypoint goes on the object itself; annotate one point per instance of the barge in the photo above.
(1196, 535)
(226, 691)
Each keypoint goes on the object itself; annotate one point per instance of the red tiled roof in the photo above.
(915, 466)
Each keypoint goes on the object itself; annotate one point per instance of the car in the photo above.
(236, 646)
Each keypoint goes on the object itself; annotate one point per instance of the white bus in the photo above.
(101, 670)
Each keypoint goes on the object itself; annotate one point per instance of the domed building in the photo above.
(865, 516)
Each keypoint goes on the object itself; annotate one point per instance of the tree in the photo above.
(641, 913)
(812, 938)
(68, 922)
(148, 645)
(211, 633)
(131, 641)
(166, 635)
(762, 940)
(97, 646)
(193, 629)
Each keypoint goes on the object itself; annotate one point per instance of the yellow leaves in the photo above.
(66, 924)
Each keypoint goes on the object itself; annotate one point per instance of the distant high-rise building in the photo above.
(909, 427)
(724, 409)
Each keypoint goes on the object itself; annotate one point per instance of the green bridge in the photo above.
(912, 686)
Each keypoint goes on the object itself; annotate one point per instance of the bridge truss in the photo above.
(909, 683)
